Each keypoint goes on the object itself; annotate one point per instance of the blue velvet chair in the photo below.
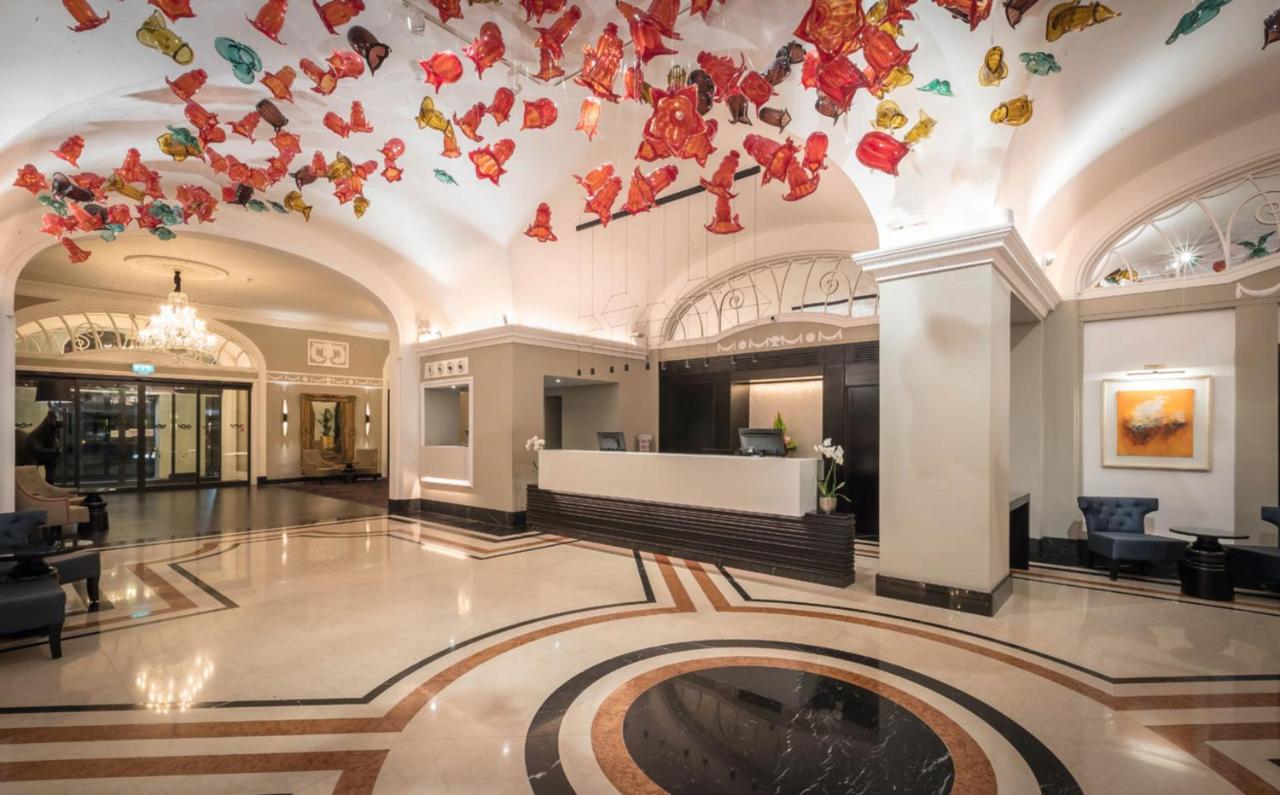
(1116, 531)
(1255, 561)
(29, 604)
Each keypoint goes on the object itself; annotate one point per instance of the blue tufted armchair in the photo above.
(1115, 528)
(1259, 562)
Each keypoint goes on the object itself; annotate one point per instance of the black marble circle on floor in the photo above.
(762, 729)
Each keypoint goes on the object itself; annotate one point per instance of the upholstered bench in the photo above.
(35, 604)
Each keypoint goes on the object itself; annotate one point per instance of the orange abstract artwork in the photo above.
(1157, 422)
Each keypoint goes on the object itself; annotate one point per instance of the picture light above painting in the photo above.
(1160, 423)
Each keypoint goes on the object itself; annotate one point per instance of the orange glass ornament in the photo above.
(649, 28)
(346, 63)
(29, 177)
(601, 201)
(971, 11)
(337, 124)
(595, 178)
(642, 195)
(775, 159)
(441, 69)
(70, 149)
(393, 149)
(755, 88)
(721, 182)
(287, 144)
(391, 172)
(450, 143)
(174, 9)
(550, 43)
(336, 13)
(882, 51)
(675, 129)
(539, 114)
(534, 9)
(448, 9)
(800, 183)
(487, 48)
(701, 7)
(589, 118)
(359, 124)
(540, 229)
(500, 109)
(246, 125)
(815, 152)
(470, 121)
(725, 221)
(84, 15)
(725, 73)
(326, 80)
(187, 84)
(600, 64)
(270, 19)
(74, 252)
(489, 161)
(833, 26)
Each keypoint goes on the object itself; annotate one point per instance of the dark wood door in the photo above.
(687, 416)
(862, 455)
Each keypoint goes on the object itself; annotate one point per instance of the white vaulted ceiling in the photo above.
(1126, 110)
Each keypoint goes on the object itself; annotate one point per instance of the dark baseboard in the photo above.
(814, 548)
(983, 603)
(490, 520)
(1075, 552)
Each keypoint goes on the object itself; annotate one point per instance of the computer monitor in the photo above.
(611, 441)
(761, 441)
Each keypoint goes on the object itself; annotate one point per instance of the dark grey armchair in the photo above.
(1116, 531)
(38, 603)
(1255, 561)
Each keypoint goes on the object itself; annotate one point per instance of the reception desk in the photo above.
(751, 513)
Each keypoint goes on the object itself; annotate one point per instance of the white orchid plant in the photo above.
(832, 457)
(535, 444)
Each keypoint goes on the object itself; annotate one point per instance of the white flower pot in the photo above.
(827, 504)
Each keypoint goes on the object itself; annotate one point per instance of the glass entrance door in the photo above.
(107, 431)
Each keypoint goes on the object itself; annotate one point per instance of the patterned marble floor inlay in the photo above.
(396, 655)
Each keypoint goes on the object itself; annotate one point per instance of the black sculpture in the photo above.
(42, 446)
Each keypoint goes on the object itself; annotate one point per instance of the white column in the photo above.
(944, 414)
(8, 371)
(403, 414)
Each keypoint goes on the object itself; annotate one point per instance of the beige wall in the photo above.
(801, 405)
(284, 453)
(584, 410)
(507, 382)
(285, 349)
(1026, 417)
(1257, 398)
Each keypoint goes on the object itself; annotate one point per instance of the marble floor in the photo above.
(388, 655)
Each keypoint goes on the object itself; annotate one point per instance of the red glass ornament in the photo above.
(539, 114)
(675, 129)
(287, 144)
(534, 9)
(800, 183)
(391, 172)
(775, 159)
(359, 124)
(470, 121)
(119, 214)
(589, 117)
(441, 69)
(337, 124)
(217, 163)
(540, 229)
(450, 144)
(725, 73)
(815, 152)
(725, 221)
(74, 252)
(837, 79)
(326, 80)
(84, 15)
(881, 151)
(29, 177)
(701, 7)
(336, 13)
(196, 203)
(835, 27)
(70, 149)
(896, 12)
(500, 109)
(642, 195)
(601, 201)
(755, 88)
(721, 182)
(882, 51)
(393, 149)
(971, 11)
(448, 9)
(600, 64)
(56, 225)
(634, 86)
(270, 19)
(649, 28)
(92, 183)
(487, 48)
(595, 178)
(174, 9)
(550, 43)
(346, 63)
(489, 161)
(246, 125)
(280, 84)
(187, 84)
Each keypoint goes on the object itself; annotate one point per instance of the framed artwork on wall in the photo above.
(1157, 423)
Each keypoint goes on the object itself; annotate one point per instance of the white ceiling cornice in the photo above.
(1000, 246)
(529, 335)
(147, 303)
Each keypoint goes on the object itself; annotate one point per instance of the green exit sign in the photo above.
(144, 368)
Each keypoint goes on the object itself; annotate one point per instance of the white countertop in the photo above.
(779, 486)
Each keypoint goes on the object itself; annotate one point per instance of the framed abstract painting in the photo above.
(1157, 424)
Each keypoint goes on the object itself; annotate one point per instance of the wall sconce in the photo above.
(284, 417)
(368, 418)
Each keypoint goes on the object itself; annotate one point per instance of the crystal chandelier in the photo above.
(176, 330)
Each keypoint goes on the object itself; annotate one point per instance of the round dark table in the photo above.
(349, 473)
(1204, 571)
(98, 521)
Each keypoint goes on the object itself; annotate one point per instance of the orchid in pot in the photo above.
(535, 444)
(828, 489)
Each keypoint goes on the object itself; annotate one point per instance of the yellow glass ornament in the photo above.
(898, 77)
(1015, 112)
(993, 70)
(429, 116)
(293, 201)
(360, 205)
(889, 116)
(117, 184)
(156, 35)
(1071, 15)
(174, 148)
(921, 130)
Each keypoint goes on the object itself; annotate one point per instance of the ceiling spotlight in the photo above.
(1184, 258)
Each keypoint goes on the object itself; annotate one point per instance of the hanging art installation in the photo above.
(1204, 13)
(540, 229)
(1074, 16)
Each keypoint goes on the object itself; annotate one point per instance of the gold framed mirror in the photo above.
(329, 425)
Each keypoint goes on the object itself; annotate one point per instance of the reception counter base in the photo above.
(814, 547)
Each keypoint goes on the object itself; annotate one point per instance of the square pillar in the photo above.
(944, 414)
